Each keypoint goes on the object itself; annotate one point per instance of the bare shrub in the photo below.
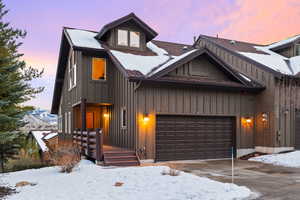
(66, 155)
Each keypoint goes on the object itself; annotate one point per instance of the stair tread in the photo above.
(116, 157)
(121, 161)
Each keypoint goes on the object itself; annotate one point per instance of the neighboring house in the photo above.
(174, 101)
(43, 141)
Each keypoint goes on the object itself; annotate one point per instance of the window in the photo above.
(69, 123)
(72, 71)
(99, 69)
(66, 122)
(123, 117)
(134, 39)
(298, 50)
(122, 37)
(131, 38)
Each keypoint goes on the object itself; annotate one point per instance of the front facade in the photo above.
(172, 101)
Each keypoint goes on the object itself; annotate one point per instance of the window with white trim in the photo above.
(72, 71)
(129, 38)
(123, 118)
(122, 37)
(69, 123)
(66, 122)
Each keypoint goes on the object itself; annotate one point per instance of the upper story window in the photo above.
(298, 50)
(99, 69)
(122, 37)
(72, 71)
(128, 38)
(134, 39)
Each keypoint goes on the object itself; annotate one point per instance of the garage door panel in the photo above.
(189, 137)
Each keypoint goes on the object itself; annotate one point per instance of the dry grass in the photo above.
(67, 156)
(5, 191)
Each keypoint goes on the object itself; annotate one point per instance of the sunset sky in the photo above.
(259, 21)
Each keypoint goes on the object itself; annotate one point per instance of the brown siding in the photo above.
(187, 101)
(266, 135)
(95, 91)
(123, 95)
(200, 67)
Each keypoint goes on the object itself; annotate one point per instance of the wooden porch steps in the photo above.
(120, 158)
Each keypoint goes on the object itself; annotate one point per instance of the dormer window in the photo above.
(134, 39)
(122, 37)
(128, 38)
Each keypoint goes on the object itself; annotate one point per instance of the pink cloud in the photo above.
(262, 21)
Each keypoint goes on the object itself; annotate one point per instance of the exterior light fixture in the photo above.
(146, 117)
(264, 117)
(248, 120)
(106, 115)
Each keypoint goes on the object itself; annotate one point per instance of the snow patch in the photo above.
(83, 38)
(38, 135)
(93, 182)
(144, 64)
(283, 42)
(291, 159)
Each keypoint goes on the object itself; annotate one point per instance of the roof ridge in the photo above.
(172, 42)
(81, 29)
(232, 39)
(287, 38)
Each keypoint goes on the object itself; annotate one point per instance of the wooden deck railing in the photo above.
(90, 142)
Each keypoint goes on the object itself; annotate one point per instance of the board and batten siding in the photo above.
(123, 96)
(96, 91)
(191, 101)
(279, 95)
(73, 95)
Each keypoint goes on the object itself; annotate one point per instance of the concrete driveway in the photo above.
(271, 182)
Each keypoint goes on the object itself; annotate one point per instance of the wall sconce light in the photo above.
(264, 117)
(247, 121)
(146, 117)
(105, 115)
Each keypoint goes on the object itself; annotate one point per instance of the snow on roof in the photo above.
(38, 135)
(50, 135)
(173, 60)
(283, 42)
(144, 64)
(83, 38)
(275, 61)
(245, 77)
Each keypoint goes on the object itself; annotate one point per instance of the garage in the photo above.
(297, 131)
(194, 137)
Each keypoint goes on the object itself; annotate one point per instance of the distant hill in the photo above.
(40, 119)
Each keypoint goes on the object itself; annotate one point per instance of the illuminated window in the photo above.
(134, 39)
(122, 37)
(99, 69)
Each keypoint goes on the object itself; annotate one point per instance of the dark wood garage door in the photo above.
(194, 137)
(297, 131)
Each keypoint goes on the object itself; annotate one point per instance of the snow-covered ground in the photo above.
(93, 182)
(291, 159)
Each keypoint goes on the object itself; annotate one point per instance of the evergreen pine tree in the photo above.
(15, 88)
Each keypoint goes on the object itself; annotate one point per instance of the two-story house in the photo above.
(177, 101)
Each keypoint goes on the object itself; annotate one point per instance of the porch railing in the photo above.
(90, 143)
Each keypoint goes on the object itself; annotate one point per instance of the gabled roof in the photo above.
(284, 43)
(150, 33)
(261, 55)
